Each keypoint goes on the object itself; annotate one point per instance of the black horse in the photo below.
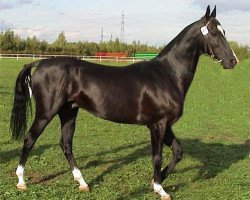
(150, 93)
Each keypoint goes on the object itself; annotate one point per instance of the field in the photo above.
(115, 158)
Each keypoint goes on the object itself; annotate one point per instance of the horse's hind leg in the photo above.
(36, 129)
(171, 141)
(68, 115)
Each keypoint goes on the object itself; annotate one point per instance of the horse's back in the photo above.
(130, 94)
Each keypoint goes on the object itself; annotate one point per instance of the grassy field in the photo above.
(115, 158)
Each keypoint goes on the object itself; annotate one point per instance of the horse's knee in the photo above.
(178, 155)
(61, 144)
(28, 141)
(157, 160)
(177, 150)
(66, 148)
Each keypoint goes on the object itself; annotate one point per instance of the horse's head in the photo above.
(215, 42)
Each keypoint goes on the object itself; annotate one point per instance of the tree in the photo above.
(21, 45)
(43, 46)
(8, 42)
(60, 43)
(32, 45)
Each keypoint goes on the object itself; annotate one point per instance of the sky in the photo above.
(155, 22)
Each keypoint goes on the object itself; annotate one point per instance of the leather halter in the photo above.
(205, 31)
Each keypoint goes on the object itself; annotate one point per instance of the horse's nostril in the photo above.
(233, 61)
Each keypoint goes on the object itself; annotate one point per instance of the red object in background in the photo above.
(115, 54)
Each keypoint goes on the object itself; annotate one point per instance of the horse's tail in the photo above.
(21, 102)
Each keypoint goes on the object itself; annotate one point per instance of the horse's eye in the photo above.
(213, 33)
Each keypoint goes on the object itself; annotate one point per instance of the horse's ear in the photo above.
(207, 15)
(213, 14)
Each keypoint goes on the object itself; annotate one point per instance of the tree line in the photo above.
(13, 43)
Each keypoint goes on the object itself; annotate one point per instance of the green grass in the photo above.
(115, 158)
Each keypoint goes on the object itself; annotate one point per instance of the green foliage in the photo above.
(242, 52)
(10, 43)
(32, 45)
(60, 44)
(115, 158)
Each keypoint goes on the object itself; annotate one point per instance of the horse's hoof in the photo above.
(22, 187)
(166, 198)
(84, 188)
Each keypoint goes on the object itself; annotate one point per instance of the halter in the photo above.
(205, 31)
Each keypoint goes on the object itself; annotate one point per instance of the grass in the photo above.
(115, 158)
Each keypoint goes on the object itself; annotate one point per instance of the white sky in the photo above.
(155, 22)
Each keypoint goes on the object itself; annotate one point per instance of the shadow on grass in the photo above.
(90, 164)
(7, 156)
(139, 153)
(215, 158)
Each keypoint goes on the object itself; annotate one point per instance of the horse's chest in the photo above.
(153, 108)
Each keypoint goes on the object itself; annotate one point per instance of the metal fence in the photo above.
(82, 57)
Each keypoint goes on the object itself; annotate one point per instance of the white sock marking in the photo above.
(158, 189)
(78, 177)
(20, 173)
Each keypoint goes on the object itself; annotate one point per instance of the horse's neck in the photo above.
(181, 58)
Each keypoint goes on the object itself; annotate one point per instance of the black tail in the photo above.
(21, 102)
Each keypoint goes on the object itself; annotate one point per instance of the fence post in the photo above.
(17, 57)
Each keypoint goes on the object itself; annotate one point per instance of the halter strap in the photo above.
(205, 31)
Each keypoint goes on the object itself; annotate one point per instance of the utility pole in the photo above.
(111, 37)
(122, 28)
(102, 35)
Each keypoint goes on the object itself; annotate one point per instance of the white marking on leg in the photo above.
(78, 177)
(21, 183)
(158, 189)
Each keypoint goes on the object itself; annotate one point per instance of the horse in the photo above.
(149, 93)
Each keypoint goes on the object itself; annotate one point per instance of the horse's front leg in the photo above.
(171, 141)
(157, 135)
(67, 116)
